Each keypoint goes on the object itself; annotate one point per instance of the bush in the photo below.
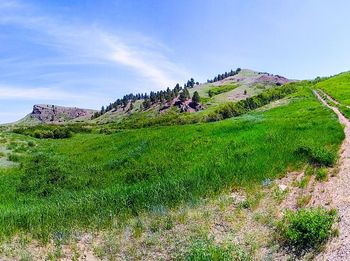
(322, 174)
(47, 131)
(307, 228)
(31, 143)
(317, 156)
(106, 131)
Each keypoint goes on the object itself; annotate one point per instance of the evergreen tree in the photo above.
(192, 82)
(182, 96)
(187, 93)
(146, 104)
(196, 98)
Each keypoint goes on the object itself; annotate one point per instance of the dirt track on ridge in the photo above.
(338, 188)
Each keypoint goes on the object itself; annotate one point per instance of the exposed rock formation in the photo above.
(57, 114)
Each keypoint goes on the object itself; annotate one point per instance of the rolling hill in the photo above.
(246, 83)
(234, 179)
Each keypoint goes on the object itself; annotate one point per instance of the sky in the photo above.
(88, 53)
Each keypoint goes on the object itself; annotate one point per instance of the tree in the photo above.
(196, 98)
(146, 104)
(182, 96)
(187, 93)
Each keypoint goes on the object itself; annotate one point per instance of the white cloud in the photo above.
(91, 44)
(25, 93)
(55, 95)
(30, 77)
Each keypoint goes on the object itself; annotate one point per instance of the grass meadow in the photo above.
(91, 180)
(337, 87)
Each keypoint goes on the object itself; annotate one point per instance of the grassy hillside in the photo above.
(245, 84)
(337, 87)
(338, 90)
(91, 179)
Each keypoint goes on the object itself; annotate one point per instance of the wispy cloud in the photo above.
(74, 63)
(91, 44)
(34, 93)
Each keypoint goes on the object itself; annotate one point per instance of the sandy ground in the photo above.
(338, 189)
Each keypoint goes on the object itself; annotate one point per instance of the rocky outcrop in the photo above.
(58, 114)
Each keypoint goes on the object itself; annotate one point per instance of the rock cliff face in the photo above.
(58, 114)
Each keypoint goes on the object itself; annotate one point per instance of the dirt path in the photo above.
(338, 188)
(328, 97)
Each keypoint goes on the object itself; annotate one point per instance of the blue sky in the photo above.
(88, 53)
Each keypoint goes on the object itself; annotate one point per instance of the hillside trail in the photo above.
(330, 98)
(338, 188)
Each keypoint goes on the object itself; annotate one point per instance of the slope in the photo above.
(337, 87)
(245, 84)
(91, 179)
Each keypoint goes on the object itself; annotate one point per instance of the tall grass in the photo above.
(90, 180)
(338, 87)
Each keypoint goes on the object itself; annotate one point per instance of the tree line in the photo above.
(151, 98)
(161, 96)
(223, 76)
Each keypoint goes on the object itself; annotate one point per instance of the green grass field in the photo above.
(90, 180)
(337, 87)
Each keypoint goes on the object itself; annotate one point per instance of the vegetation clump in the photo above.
(322, 174)
(44, 175)
(306, 229)
(207, 250)
(317, 156)
(231, 109)
(52, 131)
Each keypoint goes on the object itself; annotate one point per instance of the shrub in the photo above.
(106, 131)
(47, 131)
(62, 133)
(317, 156)
(322, 174)
(307, 228)
(31, 143)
